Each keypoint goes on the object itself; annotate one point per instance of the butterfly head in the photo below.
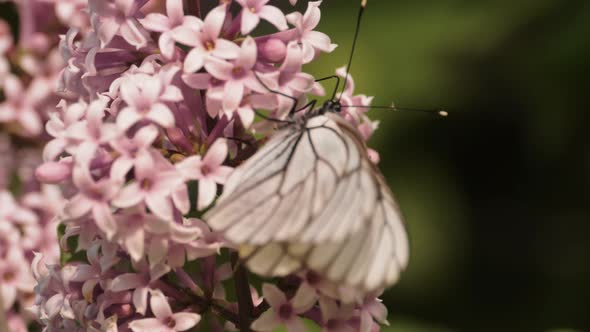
(333, 106)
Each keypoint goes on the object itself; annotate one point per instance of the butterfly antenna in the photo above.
(438, 112)
(356, 34)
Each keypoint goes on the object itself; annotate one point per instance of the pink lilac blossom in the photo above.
(145, 115)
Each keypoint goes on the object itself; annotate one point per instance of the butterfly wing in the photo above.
(311, 198)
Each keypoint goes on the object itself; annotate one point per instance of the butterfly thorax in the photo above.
(330, 106)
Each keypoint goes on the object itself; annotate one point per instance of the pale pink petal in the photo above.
(159, 305)
(144, 166)
(155, 22)
(161, 115)
(156, 225)
(184, 234)
(151, 87)
(77, 206)
(216, 154)
(319, 40)
(225, 49)
(166, 44)
(308, 52)
(13, 87)
(378, 310)
(140, 299)
(253, 82)
(147, 324)
(234, 91)
(312, 15)
(273, 295)
(295, 18)
(302, 82)
(126, 281)
(83, 272)
(214, 22)
(268, 321)
(131, 31)
(249, 21)
(30, 120)
(185, 320)
(194, 60)
(157, 251)
(53, 149)
(88, 289)
(207, 192)
(127, 118)
(219, 68)
(160, 206)
(274, 16)
(187, 34)
(171, 93)
(107, 29)
(293, 59)
(134, 243)
(8, 293)
(146, 135)
(246, 115)
(175, 10)
(247, 57)
(304, 299)
(103, 217)
(120, 168)
(181, 199)
(190, 168)
(129, 196)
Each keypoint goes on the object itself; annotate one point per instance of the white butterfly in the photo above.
(311, 199)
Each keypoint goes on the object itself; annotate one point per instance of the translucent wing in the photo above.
(310, 198)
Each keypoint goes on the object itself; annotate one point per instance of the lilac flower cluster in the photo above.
(158, 103)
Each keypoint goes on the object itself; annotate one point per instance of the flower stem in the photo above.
(245, 305)
(3, 321)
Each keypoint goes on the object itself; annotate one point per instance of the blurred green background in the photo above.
(496, 196)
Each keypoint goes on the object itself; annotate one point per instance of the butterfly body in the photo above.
(310, 198)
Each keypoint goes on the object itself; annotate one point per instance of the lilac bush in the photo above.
(147, 109)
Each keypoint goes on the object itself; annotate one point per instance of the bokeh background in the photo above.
(496, 196)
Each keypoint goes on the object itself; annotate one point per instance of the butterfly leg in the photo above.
(331, 77)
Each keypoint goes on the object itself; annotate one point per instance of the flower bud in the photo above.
(53, 172)
(273, 50)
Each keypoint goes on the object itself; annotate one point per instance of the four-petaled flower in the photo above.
(208, 170)
(165, 320)
(238, 75)
(284, 311)
(309, 39)
(166, 25)
(254, 10)
(154, 185)
(146, 97)
(205, 40)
